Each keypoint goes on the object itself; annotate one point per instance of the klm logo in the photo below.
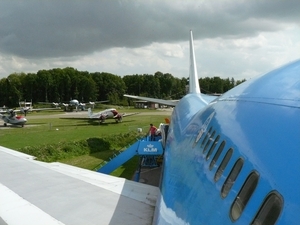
(150, 148)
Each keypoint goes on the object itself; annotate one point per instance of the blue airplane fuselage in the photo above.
(258, 124)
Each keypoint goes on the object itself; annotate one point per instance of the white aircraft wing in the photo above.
(42, 109)
(207, 98)
(160, 101)
(130, 114)
(31, 110)
(34, 192)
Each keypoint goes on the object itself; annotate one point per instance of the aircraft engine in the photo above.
(119, 118)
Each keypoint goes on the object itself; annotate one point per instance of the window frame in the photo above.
(212, 148)
(245, 194)
(266, 206)
(232, 176)
(217, 155)
(223, 164)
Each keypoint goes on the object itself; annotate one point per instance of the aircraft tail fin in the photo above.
(193, 76)
(90, 113)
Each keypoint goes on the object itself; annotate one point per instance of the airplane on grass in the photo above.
(232, 160)
(101, 116)
(106, 114)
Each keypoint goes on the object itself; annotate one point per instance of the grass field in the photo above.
(45, 131)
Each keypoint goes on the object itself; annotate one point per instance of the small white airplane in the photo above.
(75, 104)
(12, 118)
(101, 116)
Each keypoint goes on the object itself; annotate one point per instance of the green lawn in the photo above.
(48, 131)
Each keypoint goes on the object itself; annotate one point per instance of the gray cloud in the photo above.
(55, 32)
(34, 29)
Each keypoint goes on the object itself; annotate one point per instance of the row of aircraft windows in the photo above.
(272, 204)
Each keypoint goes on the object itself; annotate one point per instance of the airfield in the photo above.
(82, 114)
(50, 128)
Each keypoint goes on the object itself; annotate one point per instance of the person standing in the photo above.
(152, 131)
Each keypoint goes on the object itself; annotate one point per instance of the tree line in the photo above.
(61, 85)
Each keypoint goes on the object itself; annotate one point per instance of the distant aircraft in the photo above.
(26, 107)
(101, 116)
(233, 160)
(12, 118)
(75, 104)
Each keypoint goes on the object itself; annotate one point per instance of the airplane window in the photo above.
(232, 177)
(206, 137)
(212, 147)
(209, 141)
(243, 196)
(223, 164)
(270, 210)
(216, 157)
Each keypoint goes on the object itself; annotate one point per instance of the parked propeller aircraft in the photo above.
(101, 116)
(75, 104)
(106, 114)
(229, 160)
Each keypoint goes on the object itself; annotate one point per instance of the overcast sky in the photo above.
(233, 38)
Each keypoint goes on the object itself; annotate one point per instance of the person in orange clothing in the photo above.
(152, 131)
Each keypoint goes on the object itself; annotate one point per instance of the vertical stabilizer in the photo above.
(193, 83)
(90, 113)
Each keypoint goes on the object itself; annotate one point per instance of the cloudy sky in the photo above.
(233, 38)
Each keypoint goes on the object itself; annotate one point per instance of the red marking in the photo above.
(19, 117)
(115, 112)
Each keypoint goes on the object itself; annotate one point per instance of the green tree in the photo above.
(14, 88)
(109, 85)
(4, 94)
(217, 85)
(205, 85)
(73, 92)
(87, 87)
(133, 84)
(166, 82)
(179, 88)
(240, 81)
(29, 84)
(44, 80)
